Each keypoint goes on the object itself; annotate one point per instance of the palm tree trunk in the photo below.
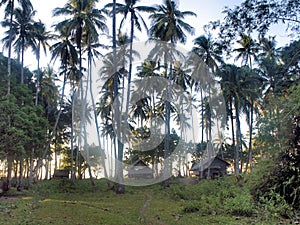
(9, 169)
(77, 162)
(83, 122)
(120, 188)
(238, 138)
(20, 185)
(38, 76)
(96, 119)
(166, 183)
(234, 148)
(202, 119)
(9, 47)
(22, 60)
(72, 139)
(130, 68)
(9, 158)
(249, 160)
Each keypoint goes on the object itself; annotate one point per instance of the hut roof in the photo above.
(139, 162)
(139, 165)
(208, 163)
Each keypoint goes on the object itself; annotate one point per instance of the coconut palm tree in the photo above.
(135, 21)
(268, 48)
(82, 16)
(208, 51)
(83, 20)
(231, 86)
(21, 32)
(67, 53)
(248, 49)
(253, 84)
(41, 37)
(167, 25)
(9, 12)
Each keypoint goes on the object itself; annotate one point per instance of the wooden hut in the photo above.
(60, 174)
(140, 170)
(209, 168)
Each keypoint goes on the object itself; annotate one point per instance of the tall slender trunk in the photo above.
(9, 47)
(9, 157)
(120, 188)
(121, 145)
(83, 94)
(21, 168)
(31, 166)
(249, 159)
(130, 68)
(202, 119)
(73, 170)
(72, 138)
(238, 138)
(22, 60)
(234, 148)
(96, 118)
(9, 169)
(47, 164)
(38, 76)
(166, 183)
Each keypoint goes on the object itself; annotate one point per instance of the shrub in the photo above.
(212, 197)
(191, 206)
(240, 205)
(275, 205)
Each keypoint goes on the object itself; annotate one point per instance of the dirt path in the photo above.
(144, 208)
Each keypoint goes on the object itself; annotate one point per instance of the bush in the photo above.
(278, 189)
(275, 205)
(240, 205)
(211, 197)
(191, 206)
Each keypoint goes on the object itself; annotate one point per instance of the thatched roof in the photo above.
(207, 163)
(139, 165)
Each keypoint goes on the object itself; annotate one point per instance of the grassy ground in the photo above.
(55, 202)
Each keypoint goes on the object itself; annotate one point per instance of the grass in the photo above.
(56, 202)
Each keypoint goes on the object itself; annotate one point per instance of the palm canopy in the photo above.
(83, 17)
(25, 4)
(168, 25)
(248, 49)
(239, 85)
(130, 8)
(268, 47)
(42, 37)
(209, 51)
(21, 29)
(64, 49)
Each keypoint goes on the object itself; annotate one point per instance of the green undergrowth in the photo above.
(222, 201)
(216, 197)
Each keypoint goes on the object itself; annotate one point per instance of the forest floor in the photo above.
(56, 202)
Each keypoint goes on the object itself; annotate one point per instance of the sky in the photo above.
(206, 10)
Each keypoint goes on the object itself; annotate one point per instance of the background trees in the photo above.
(261, 74)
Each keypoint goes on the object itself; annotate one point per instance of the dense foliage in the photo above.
(260, 86)
(280, 181)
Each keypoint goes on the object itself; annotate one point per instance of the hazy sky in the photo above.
(206, 10)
